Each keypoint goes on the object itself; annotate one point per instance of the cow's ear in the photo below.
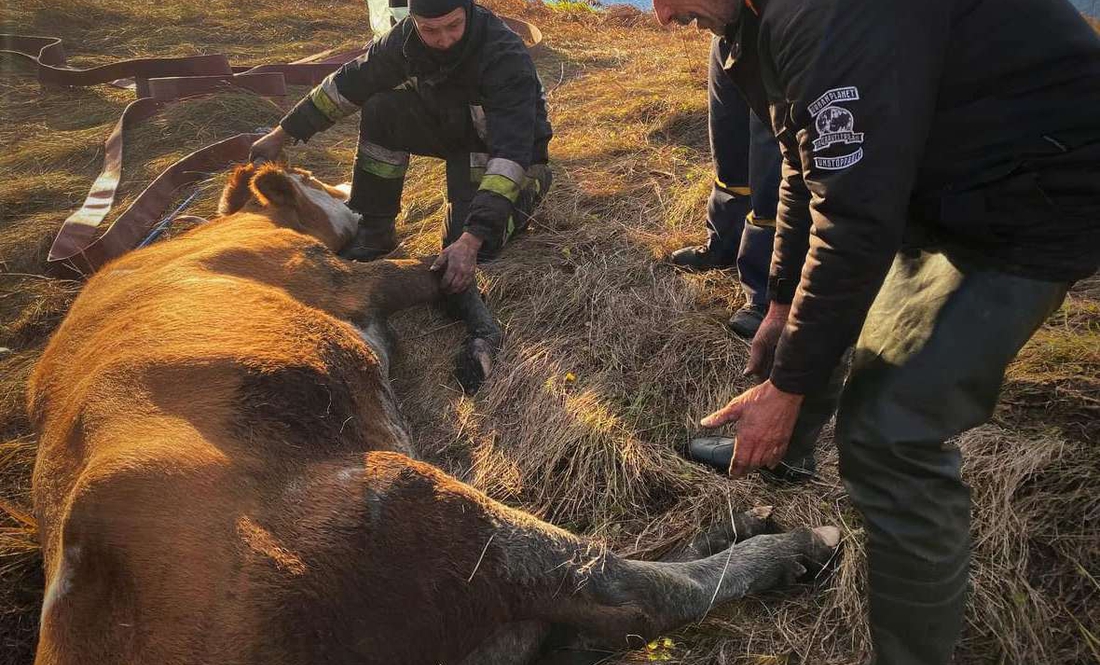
(273, 187)
(236, 192)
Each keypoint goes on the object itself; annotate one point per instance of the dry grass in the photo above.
(581, 296)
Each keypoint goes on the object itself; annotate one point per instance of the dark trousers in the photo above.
(394, 125)
(928, 365)
(742, 206)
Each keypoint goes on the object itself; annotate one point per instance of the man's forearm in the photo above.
(792, 234)
(304, 120)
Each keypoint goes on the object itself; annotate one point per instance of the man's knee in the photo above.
(537, 182)
(907, 485)
(381, 112)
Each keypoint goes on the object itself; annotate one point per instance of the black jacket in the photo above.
(971, 126)
(493, 70)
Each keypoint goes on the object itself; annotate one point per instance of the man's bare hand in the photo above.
(268, 146)
(762, 352)
(765, 417)
(459, 260)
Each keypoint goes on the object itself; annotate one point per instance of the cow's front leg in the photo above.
(380, 288)
(367, 292)
(474, 361)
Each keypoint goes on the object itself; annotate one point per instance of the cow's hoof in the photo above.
(725, 533)
(749, 524)
(829, 536)
(825, 542)
(474, 364)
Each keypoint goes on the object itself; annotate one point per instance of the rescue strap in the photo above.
(157, 82)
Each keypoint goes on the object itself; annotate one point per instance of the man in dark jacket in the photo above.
(449, 81)
(941, 181)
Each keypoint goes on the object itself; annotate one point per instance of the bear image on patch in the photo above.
(835, 119)
(835, 124)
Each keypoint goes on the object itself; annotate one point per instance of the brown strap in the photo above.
(158, 82)
(73, 246)
(135, 223)
(528, 32)
(47, 54)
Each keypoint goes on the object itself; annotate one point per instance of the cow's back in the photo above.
(187, 389)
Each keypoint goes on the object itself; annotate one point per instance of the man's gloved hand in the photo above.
(762, 352)
(268, 146)
(459, 260)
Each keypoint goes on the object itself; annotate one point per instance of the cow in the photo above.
(223, 475)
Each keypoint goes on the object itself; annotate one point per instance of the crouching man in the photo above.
(449, 81)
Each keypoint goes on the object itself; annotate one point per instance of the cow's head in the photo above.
(294, 197)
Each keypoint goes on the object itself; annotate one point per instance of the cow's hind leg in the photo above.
(495, 565)
(568, 646)
(617, 598)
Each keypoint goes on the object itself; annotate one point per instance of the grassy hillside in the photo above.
(610, 355)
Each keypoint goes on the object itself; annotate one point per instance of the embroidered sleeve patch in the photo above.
(837, 163)
(835, 125)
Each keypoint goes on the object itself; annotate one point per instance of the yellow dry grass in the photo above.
(610, 356)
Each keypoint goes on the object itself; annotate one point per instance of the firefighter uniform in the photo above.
(479, 106)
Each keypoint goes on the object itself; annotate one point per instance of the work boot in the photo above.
(746, 321)
(701, 258)
(717, 451)
(373, 238)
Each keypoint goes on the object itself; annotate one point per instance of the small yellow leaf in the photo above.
(667, 643)
(570, 377)
(652, 646)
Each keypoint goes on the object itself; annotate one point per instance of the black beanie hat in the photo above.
(435, 8)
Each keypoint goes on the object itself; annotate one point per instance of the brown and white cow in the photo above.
(223, 476)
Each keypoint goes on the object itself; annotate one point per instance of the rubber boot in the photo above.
(799, 464)
(378, 201)
(374, 237)
(717, 451)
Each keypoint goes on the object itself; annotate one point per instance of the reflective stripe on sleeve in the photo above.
(329, 100)
(504, 177)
